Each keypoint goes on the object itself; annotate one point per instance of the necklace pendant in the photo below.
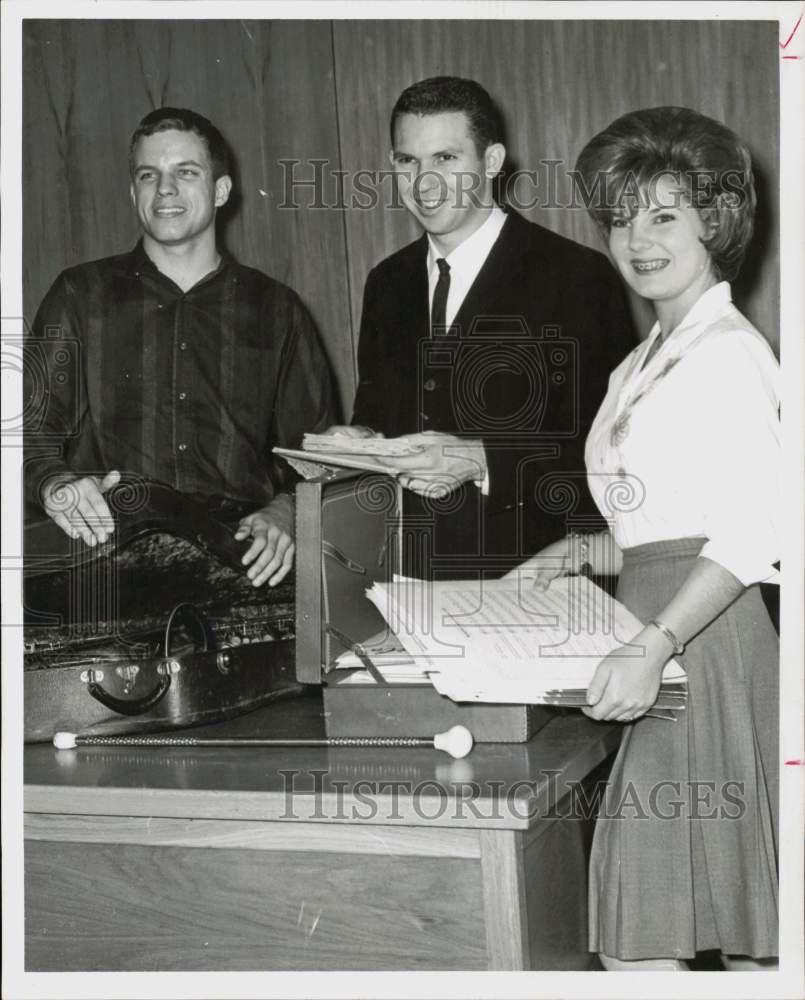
(620, 430)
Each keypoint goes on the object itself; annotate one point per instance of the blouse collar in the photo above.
(706, 308)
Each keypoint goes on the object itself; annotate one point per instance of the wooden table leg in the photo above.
(505, 913)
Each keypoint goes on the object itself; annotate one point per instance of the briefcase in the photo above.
(348, 531)
(156, 629)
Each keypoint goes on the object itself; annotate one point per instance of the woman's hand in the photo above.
(548, 564)
(626, 683)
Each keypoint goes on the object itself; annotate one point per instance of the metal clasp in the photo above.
(169, 667)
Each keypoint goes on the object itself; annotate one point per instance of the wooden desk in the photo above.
(182, 859)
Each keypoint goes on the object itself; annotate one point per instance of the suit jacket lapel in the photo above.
(415, 314)
(500, 272)
(406, 321)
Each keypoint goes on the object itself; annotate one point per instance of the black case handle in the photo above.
(184, 613)
(134, 706)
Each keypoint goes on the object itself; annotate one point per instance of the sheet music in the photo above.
(503, 642)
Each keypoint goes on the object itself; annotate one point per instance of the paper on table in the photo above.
(491, 641)
(414, 675)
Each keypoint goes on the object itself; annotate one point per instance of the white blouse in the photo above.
(689, 445)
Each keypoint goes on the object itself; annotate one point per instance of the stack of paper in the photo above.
(495, 641)
(388, 657)
(322, 450)
(343, 444)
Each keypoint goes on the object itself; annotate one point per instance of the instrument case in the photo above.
(348, 535)
(155, 629)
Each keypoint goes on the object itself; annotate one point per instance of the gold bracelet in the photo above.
(679, 647)
(584, 567)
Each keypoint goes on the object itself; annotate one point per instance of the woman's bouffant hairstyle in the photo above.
(619, 168)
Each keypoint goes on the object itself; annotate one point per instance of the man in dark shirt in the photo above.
(189, 367)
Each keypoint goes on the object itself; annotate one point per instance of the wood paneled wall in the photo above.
(322, 91)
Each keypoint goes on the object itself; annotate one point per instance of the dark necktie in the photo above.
(438, 311)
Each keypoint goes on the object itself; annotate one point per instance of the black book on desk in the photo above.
(348, 537)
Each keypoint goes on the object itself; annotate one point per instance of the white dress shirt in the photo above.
(465, 262)
(689, 445)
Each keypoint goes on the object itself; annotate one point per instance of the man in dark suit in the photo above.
(488, 342)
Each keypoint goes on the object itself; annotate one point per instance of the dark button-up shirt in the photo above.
(126, 371)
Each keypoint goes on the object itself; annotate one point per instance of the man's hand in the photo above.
(625, 684)
(347, 430)
(442, 464)
(270, 556)
(77, 505)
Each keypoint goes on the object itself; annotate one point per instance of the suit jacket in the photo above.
(523, 367)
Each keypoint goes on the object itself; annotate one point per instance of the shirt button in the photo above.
(182, 446)
(430, 385)
(183, 345)
(182, 395)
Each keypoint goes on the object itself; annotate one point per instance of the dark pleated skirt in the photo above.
(684, 853)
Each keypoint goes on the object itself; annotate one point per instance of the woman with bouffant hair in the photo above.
(683, 461)
(630, 159)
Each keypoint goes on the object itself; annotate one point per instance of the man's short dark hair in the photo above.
(443, 94)
(184, 120)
